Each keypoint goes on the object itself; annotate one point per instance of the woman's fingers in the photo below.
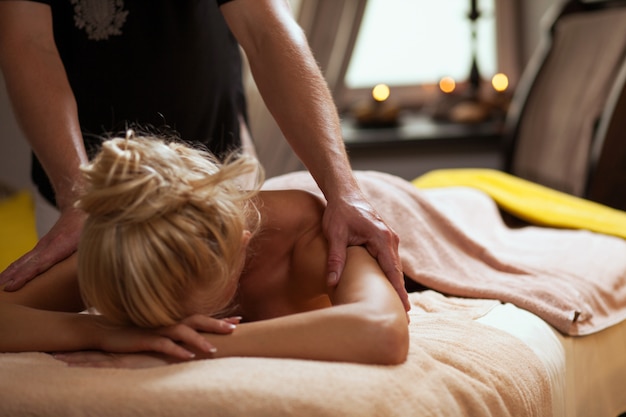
(189, 332)
(207, 324)
(165, 344)
(233, 320)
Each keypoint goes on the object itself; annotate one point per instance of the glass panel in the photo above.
(407, 42)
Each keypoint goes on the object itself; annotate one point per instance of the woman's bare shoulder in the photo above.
(291, 209)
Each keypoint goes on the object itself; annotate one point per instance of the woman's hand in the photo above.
(95, 359)
(166, 340)
(120, 344)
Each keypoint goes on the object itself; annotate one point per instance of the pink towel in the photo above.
(454, 241)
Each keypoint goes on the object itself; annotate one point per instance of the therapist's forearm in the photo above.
(293, 89)
(303, 107)
(45, 108)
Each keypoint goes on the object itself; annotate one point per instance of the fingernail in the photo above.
(332, 278)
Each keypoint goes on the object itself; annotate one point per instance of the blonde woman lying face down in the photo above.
(175, 250)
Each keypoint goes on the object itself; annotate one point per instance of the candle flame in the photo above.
(447, 84)
(381, 92)
(500, 82)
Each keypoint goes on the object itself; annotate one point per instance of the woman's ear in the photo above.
(245, 238)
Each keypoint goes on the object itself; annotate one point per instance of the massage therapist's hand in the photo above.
(59, 243)
(166, 340)
(352, 221)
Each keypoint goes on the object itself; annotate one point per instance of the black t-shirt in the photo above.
(162, 65)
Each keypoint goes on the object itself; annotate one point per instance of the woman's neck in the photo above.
(267, 287)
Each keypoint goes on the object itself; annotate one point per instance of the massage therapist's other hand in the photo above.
(59, 243)
(352, 221)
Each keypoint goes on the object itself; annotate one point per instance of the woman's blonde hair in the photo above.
(164, 220)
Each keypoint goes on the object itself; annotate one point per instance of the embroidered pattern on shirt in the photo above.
(100, 19)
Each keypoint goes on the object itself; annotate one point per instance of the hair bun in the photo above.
(134, 180)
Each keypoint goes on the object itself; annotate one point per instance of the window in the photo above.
(404, 42)
(411, 44)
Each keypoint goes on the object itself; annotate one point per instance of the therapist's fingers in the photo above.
(389, 261)
(56, 245)
(355, 222)
(336, 258)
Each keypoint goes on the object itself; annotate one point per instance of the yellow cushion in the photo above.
(531, 202)
(18, 233)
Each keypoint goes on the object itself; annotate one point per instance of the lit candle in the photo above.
(380, 92)
(447, 85)
(379, 111)
(500, 82)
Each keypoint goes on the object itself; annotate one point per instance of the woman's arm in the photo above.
(367, 322)
(25, 329)
(42, 316)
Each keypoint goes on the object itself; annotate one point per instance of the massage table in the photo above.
(508, 353)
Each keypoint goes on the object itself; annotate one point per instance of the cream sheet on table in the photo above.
(456, 367)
